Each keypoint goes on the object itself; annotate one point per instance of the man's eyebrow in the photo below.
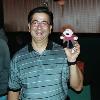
(34, 20)
(40, 21)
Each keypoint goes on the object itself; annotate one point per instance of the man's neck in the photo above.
(39, 46)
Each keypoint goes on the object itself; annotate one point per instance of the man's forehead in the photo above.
(40, 16)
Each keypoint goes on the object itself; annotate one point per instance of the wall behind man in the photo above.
(83, 15)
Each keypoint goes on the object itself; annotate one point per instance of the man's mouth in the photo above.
(39, 33)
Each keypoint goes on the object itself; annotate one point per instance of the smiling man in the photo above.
(41, 69)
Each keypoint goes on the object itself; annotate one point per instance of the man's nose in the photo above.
(39, 26)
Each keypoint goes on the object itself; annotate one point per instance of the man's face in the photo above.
(40, 27)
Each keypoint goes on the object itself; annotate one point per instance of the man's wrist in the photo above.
(71, 63)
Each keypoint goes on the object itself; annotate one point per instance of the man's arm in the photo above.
(13, 95)
(76, 78)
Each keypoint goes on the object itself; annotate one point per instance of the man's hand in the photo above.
(73, 53)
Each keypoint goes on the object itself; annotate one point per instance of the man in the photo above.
(4, 65)
(40, 71)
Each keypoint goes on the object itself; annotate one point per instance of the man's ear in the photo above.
(51, 28)
(29, 27)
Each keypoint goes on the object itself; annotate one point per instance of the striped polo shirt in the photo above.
(40, 76)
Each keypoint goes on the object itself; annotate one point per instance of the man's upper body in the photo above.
(40, 70)
(4, 63)
(42, 75)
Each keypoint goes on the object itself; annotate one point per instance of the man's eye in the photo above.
(45, 23)
(34, 22)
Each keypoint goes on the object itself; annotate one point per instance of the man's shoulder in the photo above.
(59, 50)
(57, 46)
(21, 52)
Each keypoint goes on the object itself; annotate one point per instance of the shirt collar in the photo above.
(49, 46)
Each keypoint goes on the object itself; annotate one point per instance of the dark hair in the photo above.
(40, 10)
